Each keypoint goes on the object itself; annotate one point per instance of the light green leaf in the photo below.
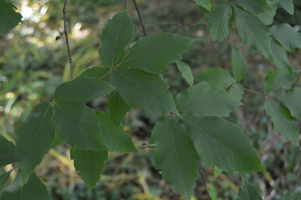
(236, 91)
(286, 5)
(115, 37)
(238, 64)
(280, 57)
(280, 79)
(287, 36)
(204, 3)
(253, 31)
(292, 100)
(254, 6)
(216, 77)
(57, 140)
(268, 16)
(77, 124)
(3, 181)
(90, 164)
(175, 155)
(116, 139)
(186, 72)
(35, 136)
(97, 72)
(217, 171)
(220, 20)
(147, 90)
(200, 100)
(282, 120)
(222, 143)
(9, 18)
(7, 152)
(117, 107)
(153, 52)
(248, 191)
(32, 189)
(294, 196)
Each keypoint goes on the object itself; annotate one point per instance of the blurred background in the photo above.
(33, 64)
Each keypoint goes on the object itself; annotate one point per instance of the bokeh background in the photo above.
(33, 64)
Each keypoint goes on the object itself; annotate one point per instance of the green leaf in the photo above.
(287, 36)
(220, 20)
(186, 72)
(253, 31)
(175, 155)
(222, 143)
(254, 6)
(90, 164)
(236, 91)
(216, 77)
(248, 191)
(294, 196)
(282, 120)
(3, 181)
(116, 139)
(152, 53)
(280, 79)
(96, 72)
(35, 136)
(203, 10)
(57, 140)
(115, 37)
(268, 16)
(147, 90)
(32, 189)
(286, 5)
(117, 107)
(238, 64)
(217, 171)
(204, 3)
(77, 124)
(291, 99)
(7, 152)
(82, 89)
(280, 57)
(200, 100)
(9, 18)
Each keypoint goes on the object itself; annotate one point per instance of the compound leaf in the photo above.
(280, 79)
(254, 6)
(220, 20)
(282, 120)
(115, 37)
(116, 139)
(236, 91)
(186, 72)
(204, 3)
(8, 17)
(3, 181)
(200, 100)
(7, 152)
(248, 191)
(153, 52)
(97, 72)
(147, 90)
(222, 143)
(36, 134)
(90, 164)
(175, 155)
(286, 5)
(280, 57)
(238, 64)
(291, 99)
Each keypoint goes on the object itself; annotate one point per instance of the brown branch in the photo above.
(175, 24)
(204, 180)
(264, 94)
(141, 22)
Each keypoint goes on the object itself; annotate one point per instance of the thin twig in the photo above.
(203, 178)
(141, 22)
(67, 41)
(175, 24)
(264, 94)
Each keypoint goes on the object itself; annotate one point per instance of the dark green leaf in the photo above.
(280, 79)
(147, 90)
(152, 53)
(97, 72)
(220, 20)
(3, 181)
(33, 189)
(282, 120)
(9, 18)
(7, 152)
(117, 107)
(287, 36)
(291, 99)
(236, 91)
(82, 89)
(254, 6)
(115, 37)
(90, 164)
(222, 143)
(268, 16)
(186, 72)
(203, 10)
(253, 31)
(280, 57)
(204, 3)
(217, 171)
(216, 77)
(116, 139)
(294, 196)
(238, 64)
(35, 136)
(200, 101)
(175, 155)
(248, 191)
(286, 5)
(77, 124)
